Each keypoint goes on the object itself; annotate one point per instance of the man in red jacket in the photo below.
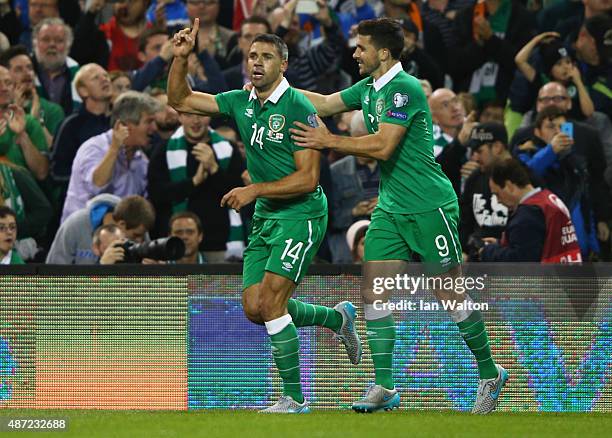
(539, 229)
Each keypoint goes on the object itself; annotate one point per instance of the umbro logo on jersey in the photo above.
(287, 266)
(249, 112)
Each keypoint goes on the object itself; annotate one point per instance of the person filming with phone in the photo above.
(573, 170)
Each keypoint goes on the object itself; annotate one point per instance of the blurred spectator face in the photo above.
(95, 84)
(107, 238)
(7, 88)
(483, 156)
(195, 126)
(492, 113)
(360, 249)
(40, 9)
(410, 41)
(153, 47)
(51, 47)
(586, 47)
(206, 10)
(141, 132)
(395, 8)
(187, 230)
(426, 86)
(553, 93)
(22, 71)
(562, 69)
(168, 119)
(507, 195)
(8, 234)
(598, 6)
(549, 129)
(130, 12)
(446, 108)
(247, 33)
(120, 85)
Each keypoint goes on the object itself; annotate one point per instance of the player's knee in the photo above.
(250, 306)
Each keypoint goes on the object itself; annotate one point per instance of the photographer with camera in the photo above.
(539, 228)
(73, 241)
(107, 244)
(482, 215)
(111, 246)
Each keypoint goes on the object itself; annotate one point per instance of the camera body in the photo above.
(474, 244)
(167, 248)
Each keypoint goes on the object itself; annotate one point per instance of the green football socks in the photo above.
(304, 314)
(285, 350)
(381, 339)
(474, 334)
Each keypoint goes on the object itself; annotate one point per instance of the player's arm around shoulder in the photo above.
(180, 95)
(326, 105)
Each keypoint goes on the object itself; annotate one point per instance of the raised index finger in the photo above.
(196, 28)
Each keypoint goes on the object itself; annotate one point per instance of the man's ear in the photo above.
(141, 57)
(82, 92)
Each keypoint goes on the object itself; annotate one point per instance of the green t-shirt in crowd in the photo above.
(13, 151)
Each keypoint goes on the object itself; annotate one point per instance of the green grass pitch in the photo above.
(341, 424)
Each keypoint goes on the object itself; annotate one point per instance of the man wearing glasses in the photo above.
(8, 237)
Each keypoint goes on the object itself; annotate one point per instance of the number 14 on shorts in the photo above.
(292, 252)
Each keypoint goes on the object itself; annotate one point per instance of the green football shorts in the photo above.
(432, 236)
(283, 246)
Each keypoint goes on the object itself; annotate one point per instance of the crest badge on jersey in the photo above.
(380, 106)
(400, 100)
(276, 122)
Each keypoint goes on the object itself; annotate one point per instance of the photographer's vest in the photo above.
(561, 243)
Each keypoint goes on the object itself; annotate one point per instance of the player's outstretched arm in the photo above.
(304, 180)
(326, 105)
(180, 95)
(379, 146)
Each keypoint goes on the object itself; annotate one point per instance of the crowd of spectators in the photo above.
(92, 155)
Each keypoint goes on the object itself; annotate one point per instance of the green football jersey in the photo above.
(269, 147)
(411, 181)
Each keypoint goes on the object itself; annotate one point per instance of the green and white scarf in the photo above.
(176, 157)
(10, 192)
(441, 140)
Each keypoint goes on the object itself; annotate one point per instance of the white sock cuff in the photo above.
(277, 325)
(375, 312)
(459, 315)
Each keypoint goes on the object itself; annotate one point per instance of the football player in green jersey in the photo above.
(291, 209)
(417, 212)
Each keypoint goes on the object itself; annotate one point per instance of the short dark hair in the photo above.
(115, 74)
(148, 33)
(386, 33)
(281, 46)
(549, 113)
(12, 52)
(256, 19)
(510, 170)
(135, 210)
(186, 215)
(7, 211)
